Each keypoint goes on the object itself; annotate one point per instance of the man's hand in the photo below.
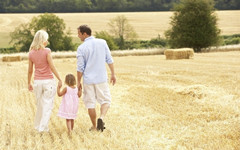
(113, 79)
(79, 86)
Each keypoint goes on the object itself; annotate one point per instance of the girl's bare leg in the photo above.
(72, 124)
(69, 126)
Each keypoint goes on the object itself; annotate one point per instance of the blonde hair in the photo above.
(70, 80)
(40, 37)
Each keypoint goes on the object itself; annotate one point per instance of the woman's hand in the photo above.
(59, 83)
(30, 88)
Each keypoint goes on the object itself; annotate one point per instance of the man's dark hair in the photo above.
(86, 29)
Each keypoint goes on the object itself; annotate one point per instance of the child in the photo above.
(69, 106)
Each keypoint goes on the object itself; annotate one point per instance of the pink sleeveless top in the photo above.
(42, 68)
(69, 106)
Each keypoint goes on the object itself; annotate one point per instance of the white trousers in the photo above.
(45, 91)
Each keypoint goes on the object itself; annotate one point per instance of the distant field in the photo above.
(147, 24)
(4, 39)
(158, 104)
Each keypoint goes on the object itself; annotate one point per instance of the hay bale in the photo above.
(11, 58)
(182, 53)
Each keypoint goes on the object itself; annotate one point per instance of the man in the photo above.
(92, 55)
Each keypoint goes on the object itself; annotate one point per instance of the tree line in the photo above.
(55, 6)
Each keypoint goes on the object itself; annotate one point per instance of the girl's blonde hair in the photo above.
(70, 80)
(40, 37)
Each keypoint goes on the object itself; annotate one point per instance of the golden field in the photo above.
(157, 104)
(147, 24)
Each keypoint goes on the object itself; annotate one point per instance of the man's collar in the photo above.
(88, 38)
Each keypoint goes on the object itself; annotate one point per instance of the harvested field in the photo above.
(155, 22)
(157, 104)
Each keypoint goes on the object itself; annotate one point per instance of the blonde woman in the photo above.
(44, 85)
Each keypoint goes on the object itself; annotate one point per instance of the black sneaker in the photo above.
(100, 124)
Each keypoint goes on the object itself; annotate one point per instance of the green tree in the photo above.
(2, 6)
(194, 25)
(122, 30)
(227, 4)
(109, 39)
(84, 5)
(21, 38)
(110, 5)
(19, 6)
(58, 39)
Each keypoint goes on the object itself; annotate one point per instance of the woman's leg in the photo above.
(37, 87)
(49, 92)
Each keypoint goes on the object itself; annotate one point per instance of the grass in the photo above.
(157, 104)
(147, 24)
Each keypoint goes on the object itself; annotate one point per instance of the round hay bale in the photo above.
(182, 53)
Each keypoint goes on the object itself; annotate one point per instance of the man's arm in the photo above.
(113, 78)
(79, 77)
(80, 67)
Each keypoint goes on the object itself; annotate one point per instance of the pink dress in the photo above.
(69, 106)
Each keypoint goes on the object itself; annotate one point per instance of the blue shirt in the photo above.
(92, 57)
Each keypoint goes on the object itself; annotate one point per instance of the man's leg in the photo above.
(104, 98)
(89, 100)
(92, 114)
(103, 110)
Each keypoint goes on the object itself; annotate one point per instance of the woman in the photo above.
(44, 85)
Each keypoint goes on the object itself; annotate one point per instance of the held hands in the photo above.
(59, 84)
(79, 86)
(113, 79)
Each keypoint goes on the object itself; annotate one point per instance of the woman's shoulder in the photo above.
(47, 49)
(30, 52)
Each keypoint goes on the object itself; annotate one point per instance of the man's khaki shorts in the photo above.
(96, 92)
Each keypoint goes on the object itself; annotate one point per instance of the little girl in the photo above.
(69, 106)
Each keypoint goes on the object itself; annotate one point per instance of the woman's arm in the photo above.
(30, 71)
(50, 62)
